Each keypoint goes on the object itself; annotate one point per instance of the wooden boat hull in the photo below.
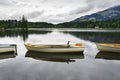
(108, 48)
(53, 49)
(8, 48)
(3, 50)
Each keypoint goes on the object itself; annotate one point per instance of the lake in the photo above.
(44, 66)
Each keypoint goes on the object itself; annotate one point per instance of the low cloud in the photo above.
(3, 2)
(34, 14)
(102, 3)
(53, 11)
(81, 10)
(7, 3)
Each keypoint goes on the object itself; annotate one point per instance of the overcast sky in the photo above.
(53, 11)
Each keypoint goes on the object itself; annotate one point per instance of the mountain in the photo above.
(108, 14)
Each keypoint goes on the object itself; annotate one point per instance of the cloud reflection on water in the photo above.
(30, 69)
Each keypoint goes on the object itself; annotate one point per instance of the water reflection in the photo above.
(99, 37)
(7, 55)
(55, 57)
(44, 66)
(29, 69)
(15, 33)
(108, 55)
(69, 57)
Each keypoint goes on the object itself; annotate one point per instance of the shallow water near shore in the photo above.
(44, 66)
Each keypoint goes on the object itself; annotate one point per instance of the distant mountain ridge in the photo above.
(108, 14)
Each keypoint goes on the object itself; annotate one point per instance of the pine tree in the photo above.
(24, 23)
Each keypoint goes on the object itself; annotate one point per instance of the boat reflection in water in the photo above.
(55, 57)
(6, 55)
(108, 55)
(70, 57)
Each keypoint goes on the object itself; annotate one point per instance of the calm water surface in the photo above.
(44, 66)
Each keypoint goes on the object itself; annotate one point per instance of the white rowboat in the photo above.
(4, 48)
(107, 47)
(53, 48)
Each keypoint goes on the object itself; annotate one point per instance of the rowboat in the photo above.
(54, 48)
(107, 47)
(4, 48)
